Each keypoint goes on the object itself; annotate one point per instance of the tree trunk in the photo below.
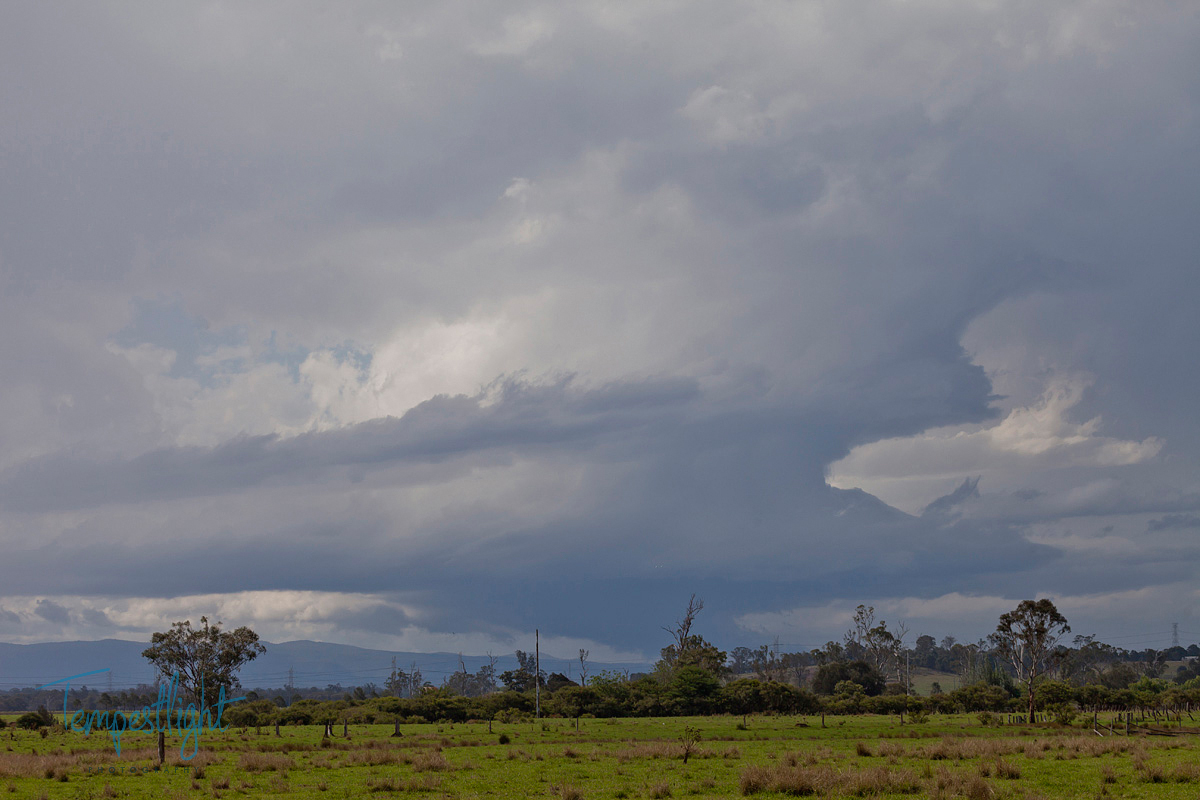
(1031, 717)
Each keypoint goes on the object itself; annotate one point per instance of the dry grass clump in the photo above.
(825, 780)
(265, 762)
(296, 747)
(431, 762)
(1185, 773)
(427, 783)
(653, 750)
(32, 765)
(951, 749)
(880, 780)
(567, 792)
(960, 784)
(659, 791)
(377, 758)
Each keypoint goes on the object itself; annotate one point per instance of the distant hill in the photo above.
(312, 663)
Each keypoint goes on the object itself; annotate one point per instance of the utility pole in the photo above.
(537, 674)
(1174, 634)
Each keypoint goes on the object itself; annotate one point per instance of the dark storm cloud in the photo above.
(758, 237)
(525, 419)
(1174, 521)
(52, 612)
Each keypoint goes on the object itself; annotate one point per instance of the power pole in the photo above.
(1174, 634)
(537, 674)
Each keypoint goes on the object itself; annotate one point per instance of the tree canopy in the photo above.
(206, 658)
(1027, 638)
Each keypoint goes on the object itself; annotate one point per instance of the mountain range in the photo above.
(303, 663)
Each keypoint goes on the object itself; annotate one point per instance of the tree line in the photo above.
(1023, 666)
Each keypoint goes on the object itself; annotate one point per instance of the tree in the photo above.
(697, 652)
(404, 684)
(1027, 637)
(741, 660)
(860, 672)
(688, 649)
(206, 659)
(522, 679)
(682, 631)
(875, 644)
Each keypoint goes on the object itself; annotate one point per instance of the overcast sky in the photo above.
(419, 326)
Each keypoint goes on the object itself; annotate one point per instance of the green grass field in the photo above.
(863, 756)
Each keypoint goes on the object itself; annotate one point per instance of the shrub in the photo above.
(1064, 713)
(30, 721)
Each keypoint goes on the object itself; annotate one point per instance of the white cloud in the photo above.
(912, 471)
(278, 616)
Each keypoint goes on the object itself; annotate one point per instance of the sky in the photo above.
(424, 326)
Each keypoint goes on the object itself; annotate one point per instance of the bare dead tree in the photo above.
(683, 628)
(583, 670)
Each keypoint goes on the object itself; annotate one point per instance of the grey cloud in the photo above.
(52, 612)
(527, 418)
(1174, 521)
(826, 255)
(967, 490)
(96, 618)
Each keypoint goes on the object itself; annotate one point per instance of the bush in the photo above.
(1064, 713)
(504, 738)
(509, 716)
(31, 721)
(860, 672)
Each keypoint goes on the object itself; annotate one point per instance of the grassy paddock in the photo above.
(862, 756)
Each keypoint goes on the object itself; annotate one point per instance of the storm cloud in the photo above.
(422, 327)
